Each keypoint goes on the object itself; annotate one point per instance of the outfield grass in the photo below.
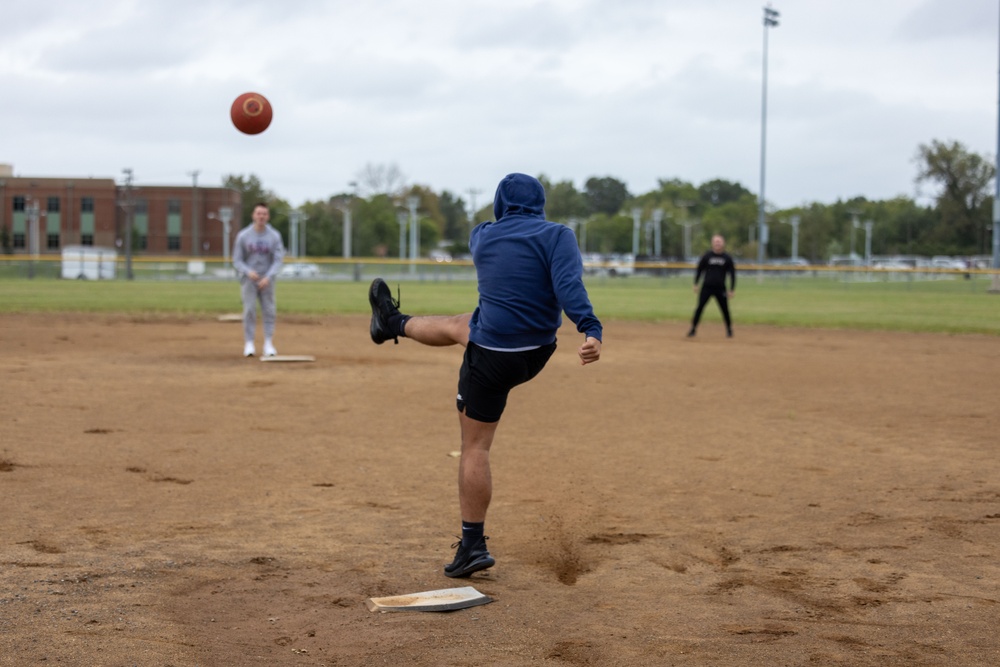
(953, 306)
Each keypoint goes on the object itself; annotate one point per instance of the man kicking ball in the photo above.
(529, 272)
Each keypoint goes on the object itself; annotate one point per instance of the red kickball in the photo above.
(251, 113)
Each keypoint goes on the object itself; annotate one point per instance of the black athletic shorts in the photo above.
(487, 376)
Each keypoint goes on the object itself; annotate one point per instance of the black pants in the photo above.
(707, 292)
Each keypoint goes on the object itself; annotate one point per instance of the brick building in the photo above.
(43, 215)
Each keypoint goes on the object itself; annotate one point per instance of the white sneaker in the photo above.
(248, 349)
(269, 350)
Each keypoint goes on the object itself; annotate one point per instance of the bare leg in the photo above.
(475, 484)
(439, 330)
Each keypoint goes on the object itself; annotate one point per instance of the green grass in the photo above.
(950, 306)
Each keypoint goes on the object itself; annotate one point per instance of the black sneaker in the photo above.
(383, 307)
(691, 334)
(470, 560)
(729, 333)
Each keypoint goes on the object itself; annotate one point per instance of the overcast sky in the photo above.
(458, 93)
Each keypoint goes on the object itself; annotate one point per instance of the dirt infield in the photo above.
(787, 497)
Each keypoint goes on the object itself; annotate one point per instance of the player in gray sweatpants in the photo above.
(257, 256)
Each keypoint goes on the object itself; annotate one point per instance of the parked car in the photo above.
(593, 263)
(943, 262)
(299, 270)
(621, 265)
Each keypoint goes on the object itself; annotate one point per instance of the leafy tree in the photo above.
(377, 235)
(609, 233)
(251, 190)
(964, 178)
(381, 179)
(456, 222)
(563, 201)
(605, 195)
(718, 192)
(732, 219)
(324, 225)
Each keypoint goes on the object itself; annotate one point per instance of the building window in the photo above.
(86, 239)
(173, 243)
(86, 204)
(174, 206)
(52, 205)
(143, 243)
(141, 207)
(18, 240)
(19, 203)
(53, 241)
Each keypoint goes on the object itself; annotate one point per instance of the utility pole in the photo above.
(129, 210)
(770, 21)
(195, 236)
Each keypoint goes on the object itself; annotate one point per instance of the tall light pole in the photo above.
(129, 221)
(225, 215)
(412, 201)
(794, 222)
(295, 239)
(348, 229)
(854, 225)
(472, 192)
(402, 218)
(195, 236)
(687, 225)
(868, 242)
(995, 288)
(636, 222)
(770, 21)
(657, 231)
(34, 245)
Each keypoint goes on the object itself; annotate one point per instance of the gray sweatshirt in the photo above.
(262, 252)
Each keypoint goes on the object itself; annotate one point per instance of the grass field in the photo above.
(951, 306)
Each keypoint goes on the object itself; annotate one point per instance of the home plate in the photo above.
(446, 599)
(289, 357)
(231, 317)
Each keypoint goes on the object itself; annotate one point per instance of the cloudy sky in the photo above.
(457, 93)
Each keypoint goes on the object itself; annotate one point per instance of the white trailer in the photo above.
(88, 263)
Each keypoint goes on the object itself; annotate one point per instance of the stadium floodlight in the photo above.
(770, 21)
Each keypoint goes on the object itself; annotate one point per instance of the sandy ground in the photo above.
(787, 497)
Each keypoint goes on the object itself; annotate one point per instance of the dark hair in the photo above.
(261, 203)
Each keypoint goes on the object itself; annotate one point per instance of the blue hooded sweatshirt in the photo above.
(529, 271)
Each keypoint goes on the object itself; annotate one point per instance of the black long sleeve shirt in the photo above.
(715, 267)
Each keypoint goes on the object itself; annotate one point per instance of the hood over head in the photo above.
(519, 194)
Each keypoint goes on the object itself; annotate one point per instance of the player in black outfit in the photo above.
(716, 264)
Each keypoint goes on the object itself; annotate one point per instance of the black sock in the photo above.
(397, 324)
(471, 533)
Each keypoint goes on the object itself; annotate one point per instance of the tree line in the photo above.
(958, 222)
